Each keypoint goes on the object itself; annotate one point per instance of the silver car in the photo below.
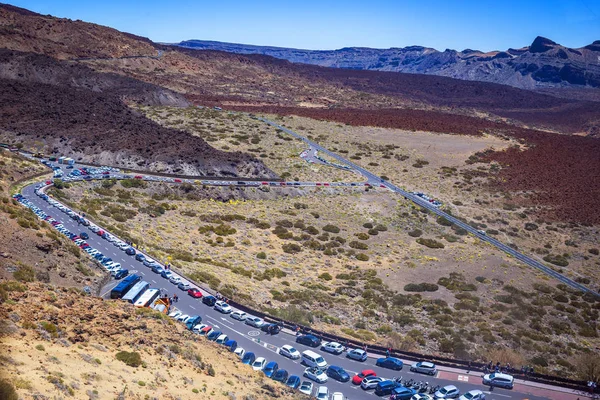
(254, 321)
(424, 367)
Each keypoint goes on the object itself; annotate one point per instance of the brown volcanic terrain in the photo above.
(226, 77)
(62, 38)
(559, 172)
(97, 127)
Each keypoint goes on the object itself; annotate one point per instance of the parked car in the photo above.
(293, 381)
(259, 364)
(421, 396)
(385, 388)
(271, 329)
(270, 369)
(254, 321)
(403, 393)
(358, 378)
(308, 340)
(166, 274)
(357, 354)
(333, 348)
(370, 382)
(498, 379)
(84, 236)
(424, 367)
(473, 395)
(130, 251)
(390, 363)
(338, 396)
(316, 374)
(121, 274)
(223, 307)
(240, 352)
(306, 387)
(281, 375)
(248, 358)
(214, 335)
(337, 373)
(184, 286)
(447, 392)
(322, 393)
(290, 352)
(195, 293)
(209, 300)
(239, 315)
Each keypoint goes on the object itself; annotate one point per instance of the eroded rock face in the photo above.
(542, 64)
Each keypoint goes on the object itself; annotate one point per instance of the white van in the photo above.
(312, 359)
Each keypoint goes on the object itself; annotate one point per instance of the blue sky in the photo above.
(313, 24)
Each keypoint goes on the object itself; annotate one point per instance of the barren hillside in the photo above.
(108, 349)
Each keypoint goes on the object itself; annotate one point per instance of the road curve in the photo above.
(377, 181)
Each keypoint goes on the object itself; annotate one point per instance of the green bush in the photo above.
(358, 245)
(291, 248)
(262, 255)
(326, 276)
(7, 391)
(380, 228)
(368, 225)
(362, 257)
(132, 359)
(421, 287)
(415, 233)
(373, 232)
(530, 226)
(25, 274)
(331, 228)
(431, 243)
(443, 221)
(594, 251)
(362, 236)
(559, 260)
(133, 183)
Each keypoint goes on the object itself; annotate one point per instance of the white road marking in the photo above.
(228, 322)
(193, 307)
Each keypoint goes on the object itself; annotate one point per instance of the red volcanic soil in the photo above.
(563, 172)
(413, 120)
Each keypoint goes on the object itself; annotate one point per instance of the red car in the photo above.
(100, 233)
(177, 180)
(357, 379)
(205, 330)
(195, 293)
(264, 183)
(48, 182)
(105, 173)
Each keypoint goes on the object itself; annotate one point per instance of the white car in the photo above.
(288, 351)
(239, 315)
(421, 396)
(370, 382)
(473, 395)
(182, 317)
(316, 374)
(323, 393)
(239, 351)
(306, 387)
(259, 364)
(333, 348)
(222, 339)
(198, 327)
(223, 307)
(175, 314)
(337, 396)
(175, 280)
(254, 321)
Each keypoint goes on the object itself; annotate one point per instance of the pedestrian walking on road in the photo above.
(176, 298)
(387, 353)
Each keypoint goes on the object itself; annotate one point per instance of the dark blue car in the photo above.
(271, 368)
(309, 340)
(280, 376)
(121, 274)
(140, 257)
(403, 393)
(337, 373)
(385, 387)
(293, 382)
(214, 335)
(248, 358)
(390, 363)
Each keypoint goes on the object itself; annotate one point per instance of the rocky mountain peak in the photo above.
(541, 44)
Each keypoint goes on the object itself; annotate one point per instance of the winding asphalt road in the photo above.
(267, 346)
(377, 181)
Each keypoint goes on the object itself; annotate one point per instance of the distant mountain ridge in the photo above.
(543, 64)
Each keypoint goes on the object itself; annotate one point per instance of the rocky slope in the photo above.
(58, 343)
(542, 64)
(32, 250)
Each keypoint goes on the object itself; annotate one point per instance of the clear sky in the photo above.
(332, 24)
